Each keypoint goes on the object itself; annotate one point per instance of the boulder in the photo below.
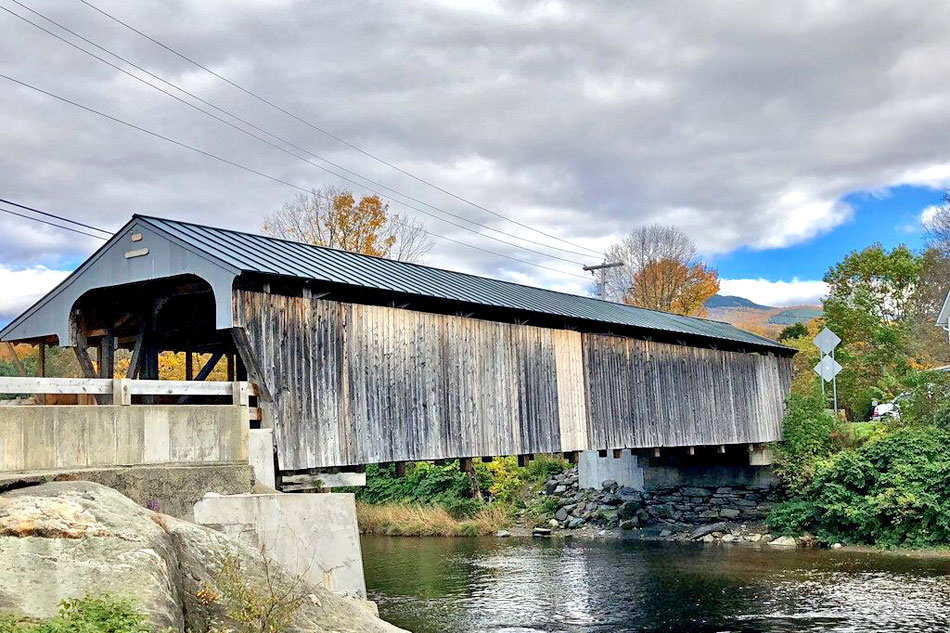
(662, 511)
(608, 484)
(703, 530)
(69, 539)
(783, 541)
(502, 533)
(729, 513)
(628, 510)
(561, 515)
(575, 523)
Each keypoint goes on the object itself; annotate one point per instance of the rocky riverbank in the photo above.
(728, 514)
(72, 539)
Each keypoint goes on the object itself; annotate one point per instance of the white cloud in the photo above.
(745, 126)
(19, 289)
(927, 215)
(775, 293)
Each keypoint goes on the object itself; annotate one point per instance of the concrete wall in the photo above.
(593, 470)
(62, 437)
(311, 534)
(168, 489)
(642, 472)
(261, 455)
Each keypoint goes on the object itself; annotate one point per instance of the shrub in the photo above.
(99, 614)
(811, 433)
(265, 607)
(894, 490)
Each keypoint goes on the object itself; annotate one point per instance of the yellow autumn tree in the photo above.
(673, 286)
(335, 218)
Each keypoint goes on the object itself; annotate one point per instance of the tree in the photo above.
(672, 286)
(871, 295)
(660, 271)
(938, 226)
(334, 218)
(795, 330)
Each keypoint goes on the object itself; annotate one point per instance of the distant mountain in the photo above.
(729, 301)
(765, 320)
(796, 315)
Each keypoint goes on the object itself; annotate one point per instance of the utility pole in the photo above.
(602, 282)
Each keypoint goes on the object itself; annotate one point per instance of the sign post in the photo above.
(828, 367)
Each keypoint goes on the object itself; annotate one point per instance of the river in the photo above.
(435, 585)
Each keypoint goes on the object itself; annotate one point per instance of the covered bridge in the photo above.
(362, 360)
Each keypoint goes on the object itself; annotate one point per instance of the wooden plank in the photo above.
(92, 386)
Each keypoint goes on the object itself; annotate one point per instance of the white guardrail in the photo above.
(122, 389)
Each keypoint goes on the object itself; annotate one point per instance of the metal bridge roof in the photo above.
(267, 255)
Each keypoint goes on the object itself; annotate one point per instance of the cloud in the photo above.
(22, 288)
(775, 293)
(744, 125)
(927, 215)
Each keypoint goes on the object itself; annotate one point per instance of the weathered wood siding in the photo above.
(356, 384)
(647, 394)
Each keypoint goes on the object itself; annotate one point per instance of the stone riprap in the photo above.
(703, 513)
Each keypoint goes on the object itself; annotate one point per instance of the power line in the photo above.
(250, 169)
(330, 134)
(53, 215)
(58, 226)
(273, 145)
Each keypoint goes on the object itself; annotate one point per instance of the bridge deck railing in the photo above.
(120, 391)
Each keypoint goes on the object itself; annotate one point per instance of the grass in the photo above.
(411, 519)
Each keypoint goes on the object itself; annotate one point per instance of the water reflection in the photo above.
(515, 586)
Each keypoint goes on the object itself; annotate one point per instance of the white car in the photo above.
(884, 410)
(890, 409)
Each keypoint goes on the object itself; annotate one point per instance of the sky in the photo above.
(778, 136)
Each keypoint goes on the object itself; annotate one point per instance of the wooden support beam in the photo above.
(106, 354)
(401, 469)
(572, 457)
(523, 460)
(208, 367)
(254, 373)
(656, 452)
(135, 362)
(203, 374)
(466, 465)
(230, 367)
(692, 450)
(189, 365)
(618, 453)
(42, 354)
(602, 452)
(85, 362)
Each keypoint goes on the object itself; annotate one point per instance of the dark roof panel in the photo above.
(267, 255)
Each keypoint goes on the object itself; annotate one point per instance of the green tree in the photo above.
(795, 330)
(871, 295)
